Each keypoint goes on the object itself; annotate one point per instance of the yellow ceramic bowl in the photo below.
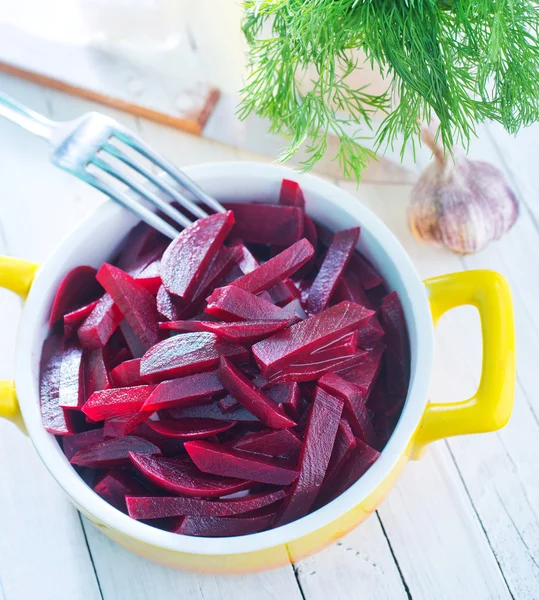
(96, 239)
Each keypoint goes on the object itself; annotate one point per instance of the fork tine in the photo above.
(157, 181)
(180, 177)
(135, 207)
(142, 191)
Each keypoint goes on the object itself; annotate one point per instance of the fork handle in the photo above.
(25, 117)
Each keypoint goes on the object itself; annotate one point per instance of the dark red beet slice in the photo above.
(96, 376)
(131, 340)
(186, 259)
(213, 411)
(365, 372)
(136, 244)
(184, 391)
(115, 486)
(117, 356)
(224, 526)
(336, 260)
(251, 397)
(150, 276)
(287, 395)
(234, 304)
(344, 346)
(168, 446)
(136, 304)
(113, 453)
(100, 324)
(267, 223)
(349, 288)
(397, 354)
(243, 332)
(370, 335)
(190, 429)
(245, 260)
(73, 319)
(318, 441)
(280, 442)
(282, 348)
(55, 419)
(124, 425)
(151, 507)
(220, 266)
(361, 458)
(291, 194)
(73, 443)
(127, 373)
(187, 354)
(345, 443)
(183, 477)
(226, 462)
(355, 408)
(116, 402)
(367, 275)
(71, 389)
(283, 293)
(276, 269)
(78, 288)
(228, 403)
(170, 307)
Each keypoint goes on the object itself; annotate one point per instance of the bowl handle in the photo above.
(490, 407)
(16, 275)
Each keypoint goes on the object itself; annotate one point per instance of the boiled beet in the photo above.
(73, 443)
(234, 304)
(113, 453)
(183, 477)
(364, 373)
(169, 306)
(213, 411)
(318, 441)
(73, 319)
(224, 526)
(71, 390)
(219, 267)
(344, 445)
(336, 260)
(287, 395)
(280, 442)
(116, 402)
(127, 373)
(124, 425)
(100, 324)
(187, 354)
(243, 332)
(96, 375)
(190, 428)
(186, 259)
(150, 277)
(158, 507)
(291, 194)
(397, 354)
(267, 223)
(366, 273)
(252, 397)
(219, 460)
(115, 486)
(78, 288)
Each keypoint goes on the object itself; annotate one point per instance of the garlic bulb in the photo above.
(459, 203)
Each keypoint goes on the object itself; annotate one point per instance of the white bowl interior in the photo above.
(97, 239)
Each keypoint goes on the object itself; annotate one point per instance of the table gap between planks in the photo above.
(461, 523)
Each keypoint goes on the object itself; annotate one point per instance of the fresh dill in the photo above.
(460, 62)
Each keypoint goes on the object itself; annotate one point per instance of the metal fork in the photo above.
(84, 147)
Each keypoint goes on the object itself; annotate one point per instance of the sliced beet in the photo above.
(136, 304)
(280, 442)
(96, 375)
(228, 403)
(336, 260)
(283, 293)
(73, 443)
(344, 346)
(245, 260)
(131, 340)
(267, 223)
(306, 336)
(224, 526)
(287, 395)
(318, 441)
(226, 462)
(73, 319)
(370, 335)
(234, 304)
(124, 425)
(291, 194)
(150, 277)
(116, 485)
(243, 332)
(184, 391)
(170, 307)
(137, 243)
(116, 402)
(186, 259)
(78, 288)
(349, 288)
(366, 273)
(113, 453)
(398, 351)
(151, 507)
(220, 266)
(252, 397)
(355, 408)
(100, 324)
(190, 428)
(183, 477)
(276, 269)
(55, 419)
(187, 354)
(71, 389)
(127, 373)
(364, 373)
(344, 445)
(213, 411)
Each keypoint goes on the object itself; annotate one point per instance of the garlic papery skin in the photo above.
(461, 204)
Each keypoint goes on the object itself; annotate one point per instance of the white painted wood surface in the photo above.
(461, 523)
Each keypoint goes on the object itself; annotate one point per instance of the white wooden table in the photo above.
(462, 523)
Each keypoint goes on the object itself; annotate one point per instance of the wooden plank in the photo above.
(184, 101)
